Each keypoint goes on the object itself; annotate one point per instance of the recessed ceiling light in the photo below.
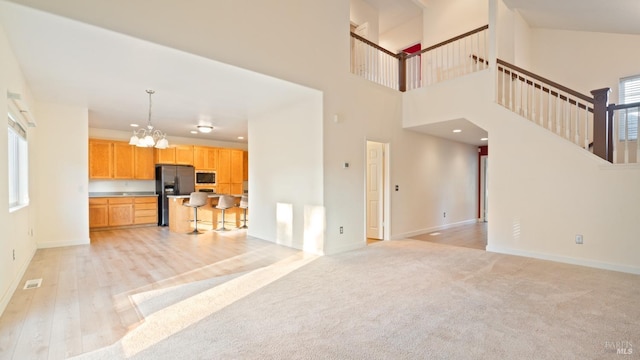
(134, 125)
(205, 128)
(457, 130)
(240, 137)
(484, 139)
(193, 132)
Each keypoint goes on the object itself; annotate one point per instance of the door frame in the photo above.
(386, 188)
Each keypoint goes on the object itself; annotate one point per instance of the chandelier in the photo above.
(149, 137)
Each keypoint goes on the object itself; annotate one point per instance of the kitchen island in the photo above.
(181, 217)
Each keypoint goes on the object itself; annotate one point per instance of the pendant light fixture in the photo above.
(149, 137)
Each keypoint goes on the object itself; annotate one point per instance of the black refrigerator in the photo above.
(172, 180)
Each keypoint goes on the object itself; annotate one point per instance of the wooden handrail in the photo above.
(376, 46)
(546, 81)
(547, 90)
(614, 107)
(485, 27)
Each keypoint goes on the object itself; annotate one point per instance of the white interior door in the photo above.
(484, 190)
(375, 190)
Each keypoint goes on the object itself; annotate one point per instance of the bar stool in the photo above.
(225, 202)
(244, 204)
(196, 200)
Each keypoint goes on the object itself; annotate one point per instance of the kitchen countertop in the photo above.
(212, 195)
(122, 194)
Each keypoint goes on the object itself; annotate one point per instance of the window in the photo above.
(628, 118)
(18, 163)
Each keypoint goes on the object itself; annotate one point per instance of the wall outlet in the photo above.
(341, 230)
(578, 239)
(14, 254)
(444, 214)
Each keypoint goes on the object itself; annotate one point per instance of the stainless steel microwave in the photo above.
(205, 177)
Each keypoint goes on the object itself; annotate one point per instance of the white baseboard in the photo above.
(432, 229)
(15, 282)
(345, 248)
(54, 244)
(565, 259)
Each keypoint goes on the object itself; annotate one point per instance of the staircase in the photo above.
(590, 122)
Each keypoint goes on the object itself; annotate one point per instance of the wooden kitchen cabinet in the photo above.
(245, 165)
(144, 166)
(175, 155)
(118, 160)
(184, 154)
(230, 171)
(236, 167)
(110, 212)
(100, 159)
(123, 160)
(120, 211)
(165, 156)
(145, 210)
(223, 172)
(98, 213)
(205, 158)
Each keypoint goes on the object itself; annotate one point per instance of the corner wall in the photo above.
(543, 189)
(15, 225)
(62, 189)
(285, 183)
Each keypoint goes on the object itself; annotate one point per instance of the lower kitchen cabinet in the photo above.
(111, 212)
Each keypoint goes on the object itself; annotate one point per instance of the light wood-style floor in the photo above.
(471, 236)
(84, 304)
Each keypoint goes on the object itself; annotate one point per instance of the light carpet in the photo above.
(393, 300)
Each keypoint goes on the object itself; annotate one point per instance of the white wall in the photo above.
(286, 175)
(403, 36)
(62, 187)
(361, 12)
(15, 225)
(444, 19)
(438, 177)
(585, 61)
(541, 196)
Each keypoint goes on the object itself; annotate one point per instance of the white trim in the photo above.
(55, 244)
(410, 234)
(346, 247)
(565, 259)
(15, 282)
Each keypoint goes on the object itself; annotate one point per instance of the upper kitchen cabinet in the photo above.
(245, 165)
(184, 155)
(175, 155)
(237, 168)
(205, 158)
(144, 165)
(100, 159)
(119, 160)
(230, 171)
(165, 156)
(123, 160)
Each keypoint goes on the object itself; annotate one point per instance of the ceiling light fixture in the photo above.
(205, 129)
(484, 139)
(149, 137)
(457, 130)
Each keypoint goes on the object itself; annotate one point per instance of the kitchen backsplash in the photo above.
(121, 185)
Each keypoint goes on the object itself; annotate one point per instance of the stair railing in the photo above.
(374, 62)
(449, 59)
(557, 108)
(624, 120)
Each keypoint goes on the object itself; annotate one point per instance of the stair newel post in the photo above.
(402, 71)
(602, 125)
